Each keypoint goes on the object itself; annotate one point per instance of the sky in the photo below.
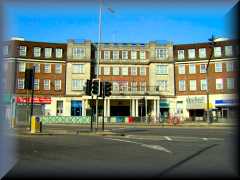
(133, 21)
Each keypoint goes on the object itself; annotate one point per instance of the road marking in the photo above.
(205, 139)
(168, 138)
(155, 147)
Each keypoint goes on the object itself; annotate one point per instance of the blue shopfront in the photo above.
(226, 109)
(76, 108)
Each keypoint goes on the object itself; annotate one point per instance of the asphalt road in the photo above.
(149, 153)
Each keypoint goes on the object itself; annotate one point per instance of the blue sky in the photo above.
(132, 21)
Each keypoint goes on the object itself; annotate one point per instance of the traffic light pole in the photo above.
(31, 112)
(92, 114)
(103, 95)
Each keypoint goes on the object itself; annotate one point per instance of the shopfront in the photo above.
(226, 109)
(195, 107)
(76, 108)
(164, 108)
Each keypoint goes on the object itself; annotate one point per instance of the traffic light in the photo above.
(95, 87)
(107, 88)
(88, 87)
(28, 83)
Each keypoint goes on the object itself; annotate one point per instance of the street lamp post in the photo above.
(212, 42)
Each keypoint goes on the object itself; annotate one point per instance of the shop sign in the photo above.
(164, 103)
(227, 102)
(195, 102)
(36, 100)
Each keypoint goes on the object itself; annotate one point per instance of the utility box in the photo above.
(35, 124)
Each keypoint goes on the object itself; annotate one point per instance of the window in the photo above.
(22, 50)
(115, 55)
(217, 52)
(191, 53)
(124, 54)
(192, 69)
(143, 71)
(5, 50)
(229, 66)
(134, 71)
(133, 54)
(193, 86)
(143, 86)
(162, 85)
(78, 68)
(219, 84)
(21, 67)
(142, 55)
(180, 54)
(218, 67)
(46, 84)
(134, 86)
(20, 83)
(162, 69)
(36, 84)
(57, 85)
(228, 51)
(181, 85)
(161, 53)
(106, 54)
(203, 68)
(47, 68)
(58, 68)
(106, 71)
(203, 84)
(79, 52)
(115, 70)
(37, 68)
(59, 52)
(124, 71)
(77, 84)
(123, 86)
(36, 51)
(230, 83)
(202, 53)
(115, 86)
(181, 68)
(48, 52)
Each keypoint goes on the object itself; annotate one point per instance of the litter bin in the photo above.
(36, 125)
(130, 119)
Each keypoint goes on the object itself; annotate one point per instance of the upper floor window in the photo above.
(134, 86)
(79, 52)
(193, 85)
(57, 84)
(192, 69)
(77, 84)
(36, 51)
(106, 54)
(115, 55)
(115, 70)
(78, 68)
(20, 83)
(181, 69)
(229, 66)
(36, 84)
(143, 71)
(161, 53)
(124, 71)
(124, 54)
(21, 67)
(162, 69)
(191, 53)
(162, 84)
(181, 85)
(219, 84)
(202, 53)
(47, 68)
(106, 71)
(22, 50)
(203, 84)
(230, 83)
(217, 51)
(48, 52)
(180, 54)
(133, 54)
(218, 67)
(203, 68)
(37, 68)
(134, 71)
(5, 50)
(58, 68)
(142, 55)
(59, 52)
(46, 84)
(228, 51)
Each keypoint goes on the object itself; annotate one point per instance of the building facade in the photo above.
(191, 83)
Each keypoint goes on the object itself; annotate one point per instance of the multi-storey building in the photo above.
(142, 76)
(49, 85)
(191, 84)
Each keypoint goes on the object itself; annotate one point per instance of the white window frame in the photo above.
(229, 66)
(46, 86)
(192, 85)
(191, 54)
(21, 66)
(219, 82)
(143, 86)
(134, 71)
(77, 68)
(143, 71)
(47, 70)
(228, 50)
(20, 83)
(36, 84)
(203, 70)
(106, 55)
(58, 68)
(218, 67)
(79, 52)
(202, 53)
(181, 54)
(142, 55)
(106, 70)
(125, 55)
(115, 86)
(76, 86)
(203, 84)
(124, 71)
(58, 84)
(37, 52)
(134, 86)
(217, 51)
(162, 69)
(133, 55)
(163, 85)
(37, 67)
(181, 68)
(230, 83)
(161, 53)
(115, 71)
(180, 84)
(22, 50)
(115, 55)
(47, 52)
(5, 50)
(59, 52)
(192, 68)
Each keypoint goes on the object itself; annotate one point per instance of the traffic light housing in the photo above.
(29, 78)
(88, 87)
(96, 87)
(107, 88)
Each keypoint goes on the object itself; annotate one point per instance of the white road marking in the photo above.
(205, 139)
(168, 138)
(155, 147)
